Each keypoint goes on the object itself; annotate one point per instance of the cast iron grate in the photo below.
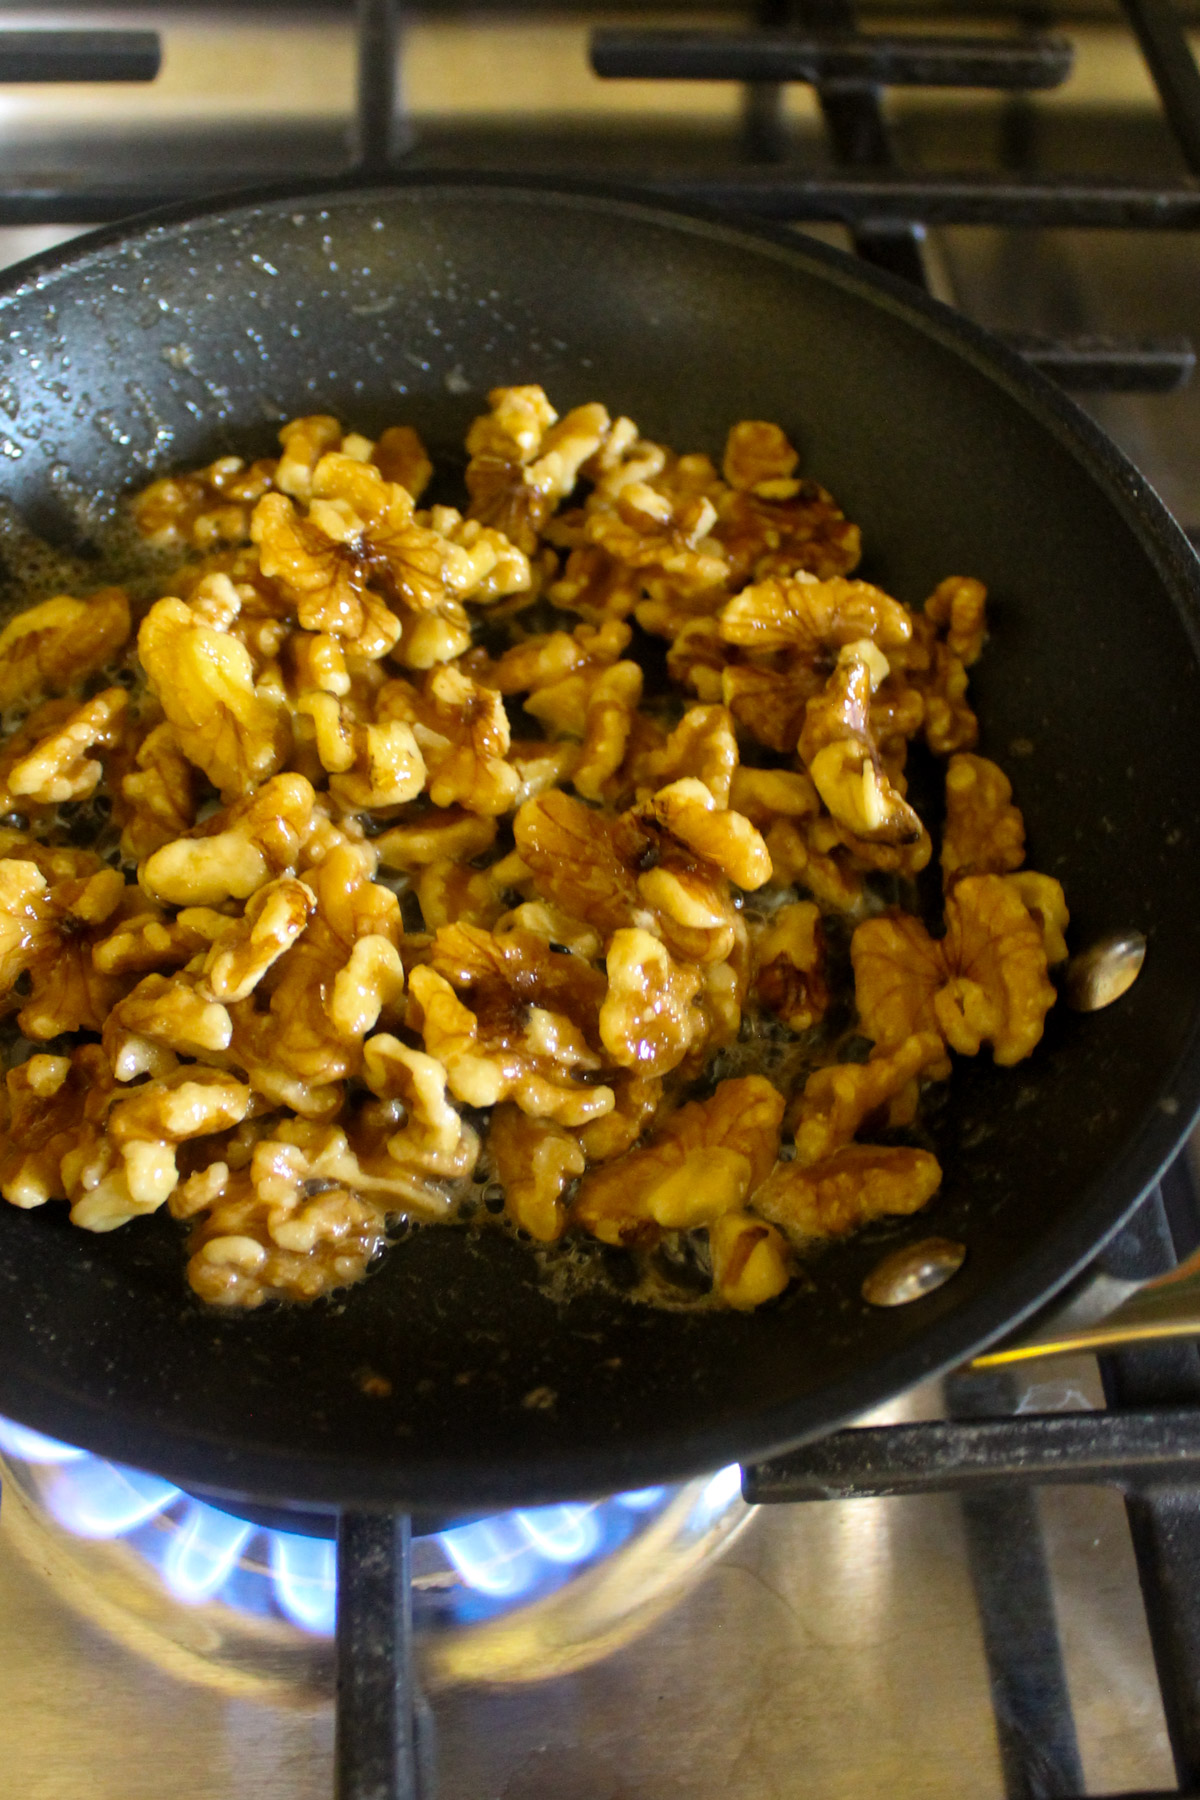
(1148, 1441)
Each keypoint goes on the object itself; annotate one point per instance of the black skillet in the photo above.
(163, 343)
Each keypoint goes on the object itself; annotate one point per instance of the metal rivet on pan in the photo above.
(1105, 971)
(916, 1270)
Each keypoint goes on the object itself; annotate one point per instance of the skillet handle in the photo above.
(383, 1740)
(1107, 1314)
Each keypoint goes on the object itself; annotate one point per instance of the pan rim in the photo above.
(191, 1456)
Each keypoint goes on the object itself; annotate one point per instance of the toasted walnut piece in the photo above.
(448, 892)
(170, 1012)
(836, 1101)
(769, 704)
(203, 510)
(46, 932)
(463, 734)
(158, 798)
(235, 852)
(705, 1161)
(723, 838)
(984, 833)
(844, 762)
(305, 441)
(322, 577)
(612, 705)
(648, 1020)
(1047, 905)
(596, 584)
(535, 1160)
(764, 795)
(855, 1184)
(441, 835)
(898, 968)
(274, 918)
(493, 568)
(400, 456)
(789, 952)
(809, 617)
(318, 664)
(203, 680)
(662, 537)
(523, 463)
(432, 1137)
(957, 606)
(46, 1098)
(998, 991)
(638, 1098)
(764, 535)
(139, 1172)
(50, 648)
(148, 940)
(556, 929)
(58, 768)
(570, 851)
(702, 745)
(751, 1261)
(415, 565)
(388, 768)
(949, 722)
(757, 453)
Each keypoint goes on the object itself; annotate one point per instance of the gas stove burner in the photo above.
(515, 1596)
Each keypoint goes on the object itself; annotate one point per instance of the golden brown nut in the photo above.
(202, 510)
(807, 617)
(52, 647)
(57, 767)
(235, 852)
(764, 536)
(648, 1020)
(46, 934)
(47, 1097)
(447, 834)
(571, 852)
(705, 1161)
(1047, 905)
(957, 607)
(273, 919)
(426, 1134)
(789, 951)
(758, 457)
(702, 745)
(751, 1261)
(157, 798)
(847, 1189)
(204, 681)
(462, 731)
(400, 456)
(843, 759)
(838, 1100)
(535, 1161)
(984, 833)
(523, 463)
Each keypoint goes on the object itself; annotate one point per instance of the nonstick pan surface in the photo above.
(170, 341)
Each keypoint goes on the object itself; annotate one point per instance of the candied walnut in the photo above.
(770, 704)
(597, 584)
(638, 1098)
(58, 768)
(148, 940)
(758, 458)
(50, 648)
(843, 759)
(555, 928)
(133, 1170)
(984, 833)
(400, 456)
(941, 678)
(448, 892)
(236, 851)
(808, 852)
(47, 1097)
(698, 659)
(789, 952)
(957, 607)
(1047, 905)
(318, 663)
(540, 766)
(535, 1161)
(553, 665)
(449, 835)
(648, 1020)
(323, 578)
(612, 705)
(424, 1132)
(305, 441)
(414, 564)
(687, 810)
(985, 981)
(702, 745)
(663, 536)
(836, 1101)
(204, 509)
(523, 463)
(238, 959)
(764, 795)
(204, 681)
(386, 769)
(763, 535)
(751, 1261)
(707, 1159)
(158, 798)
(462, 731)
(169, 1012)
(855, 1184)
(808, 617)
(46, 934)
(571, 852)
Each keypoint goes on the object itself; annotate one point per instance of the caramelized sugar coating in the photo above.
(420, 865)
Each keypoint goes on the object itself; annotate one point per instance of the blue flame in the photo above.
(305, 1575)
(97, 1499)
(203, 1552)
(200, 1550)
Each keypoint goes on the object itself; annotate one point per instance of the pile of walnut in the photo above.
(248, 1019)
